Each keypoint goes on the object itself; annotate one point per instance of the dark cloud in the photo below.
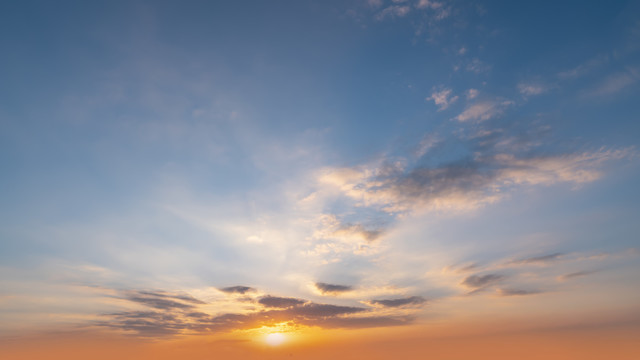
(173, 314)
(312, 310)
(145, 323)
(162, 300)
(280, 302)
(332, 289)
(517, 292)
(540, 260)
(237, 289)
(480, 281)
(414, 300)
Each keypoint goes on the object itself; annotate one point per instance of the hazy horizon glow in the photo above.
(347, 179)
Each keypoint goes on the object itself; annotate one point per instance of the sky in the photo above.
(362, 177)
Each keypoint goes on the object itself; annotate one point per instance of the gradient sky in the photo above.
(400, 170)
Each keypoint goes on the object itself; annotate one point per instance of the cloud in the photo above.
(393, 11)
(483, 110)
(413, 300)
(331, 227)
(477, 66)
(364, 322)
(584, 68)
(144, 323)
(312, 310)
(332, 288)
(538, 260)
(472, 94)
(616, 82)
(517, 292)
(359, 231)
(442, 98)
(161, 300)
(280, 302)
(460, 268)
(574, 275)
(440, 11)
(427, 143)
(480, 281)
(531, 89)
(164, 294)
(374, 3)
(465, 184)
(169, 319)
(237, 289)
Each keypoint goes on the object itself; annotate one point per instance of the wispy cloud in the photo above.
(393, 11)
(162, 300)
(538, 260)
(517, 292)
(584, 68)
(465, 184)
(483, 110)
(477, 66)
(531, 89)
(616, 82)
(576, 274)
(481, 281)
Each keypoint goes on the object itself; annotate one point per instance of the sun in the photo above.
(275, 339)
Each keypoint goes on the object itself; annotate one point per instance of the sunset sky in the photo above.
(348, 179)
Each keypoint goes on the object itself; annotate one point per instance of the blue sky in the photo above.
(434, 150)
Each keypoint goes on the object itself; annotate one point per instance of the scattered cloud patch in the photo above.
(477, 66)
(393, 11)
(472, 94)
(442, 98)
(483, 110)
(531, 89)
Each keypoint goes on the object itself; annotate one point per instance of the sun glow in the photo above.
(275, 339)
